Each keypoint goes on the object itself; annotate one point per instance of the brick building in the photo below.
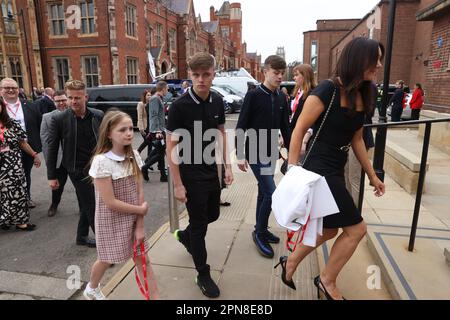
(110, 42)
(421, 47)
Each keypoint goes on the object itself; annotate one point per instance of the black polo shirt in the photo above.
(86, 140)
(189, 114)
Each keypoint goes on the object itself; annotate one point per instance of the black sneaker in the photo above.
(262, 245)
(207, 285)
(86, 241)
(271, 238)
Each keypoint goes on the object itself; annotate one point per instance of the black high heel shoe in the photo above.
(320, 287)
(283, 261)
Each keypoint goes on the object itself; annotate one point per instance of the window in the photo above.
(132, 70)
(172, 40)
(2, 69)
(159, 35)
(62, 72)
(8, 17)
(314, 57)
(87, 17)
(91, 75)
(16, 70)
(57, 23)
(225, 32)
(130, 19)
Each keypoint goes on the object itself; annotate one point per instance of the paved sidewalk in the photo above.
(381, 267)
(241, 272)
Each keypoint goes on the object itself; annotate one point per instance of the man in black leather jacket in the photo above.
(76, 129)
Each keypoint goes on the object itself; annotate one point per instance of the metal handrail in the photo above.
(423, 164)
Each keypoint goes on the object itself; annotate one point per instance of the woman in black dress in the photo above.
(352, 85)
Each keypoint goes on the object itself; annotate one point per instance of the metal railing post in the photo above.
(423, 169)
(361, 190)
(173, 205)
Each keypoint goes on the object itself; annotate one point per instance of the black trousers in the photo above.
(157, 155)
(146, 144)
(61, 175)
(396, 113)
(203, 208)
(415, 114)
(27, 162)
(84, 189)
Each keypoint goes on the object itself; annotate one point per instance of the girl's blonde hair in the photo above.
(104, 144)
(309, 81)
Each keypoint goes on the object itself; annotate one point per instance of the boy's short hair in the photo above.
(275, 62)
(160, 86)
(74, 85)
(60, 93)
(202, 60)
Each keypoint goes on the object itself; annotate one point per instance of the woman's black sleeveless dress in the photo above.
(327, 158)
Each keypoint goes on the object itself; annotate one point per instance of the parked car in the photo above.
(122, 97)
(289, 85)
(234, 102)
(239, 84)
(230, 90)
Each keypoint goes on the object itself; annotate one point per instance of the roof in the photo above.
(225, 9)
(178, 6)
(211, 26)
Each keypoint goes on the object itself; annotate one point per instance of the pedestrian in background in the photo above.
(396, 102)
(120, 206)
(417, 101)
(142, 114)
(61, 172)
(14, 209)
(29, 118)
(305, 83)
(76, 130)
(156, 128)
(348, 97)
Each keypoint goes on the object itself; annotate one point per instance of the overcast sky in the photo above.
(268, 24)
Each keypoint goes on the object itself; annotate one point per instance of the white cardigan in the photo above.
(303, 195)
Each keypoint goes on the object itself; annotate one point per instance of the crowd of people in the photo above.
(95, 151)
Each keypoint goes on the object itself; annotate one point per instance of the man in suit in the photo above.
(46, 103)
(28, 117)
(61, 172)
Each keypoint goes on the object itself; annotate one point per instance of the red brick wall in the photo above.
(438, 70)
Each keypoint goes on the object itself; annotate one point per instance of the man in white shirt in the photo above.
(28, 118)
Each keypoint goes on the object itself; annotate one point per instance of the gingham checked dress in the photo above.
(114, 231)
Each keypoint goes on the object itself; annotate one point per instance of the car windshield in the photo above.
(230, 90)
(221, 91)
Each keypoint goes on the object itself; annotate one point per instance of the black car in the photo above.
(122, 97)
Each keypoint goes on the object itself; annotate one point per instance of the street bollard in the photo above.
(173, 205)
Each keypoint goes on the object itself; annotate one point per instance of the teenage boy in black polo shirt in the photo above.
(193, 165)
(265, 111)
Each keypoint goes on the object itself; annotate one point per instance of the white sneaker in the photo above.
(93, 294)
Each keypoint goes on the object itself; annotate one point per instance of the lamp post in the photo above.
(380, 144)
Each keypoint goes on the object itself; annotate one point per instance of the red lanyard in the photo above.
(297, 101)
(16, 105)
(2, 131)
(290, 235)
(145, 292)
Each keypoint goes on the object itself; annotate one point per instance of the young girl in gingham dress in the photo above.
(120, 206)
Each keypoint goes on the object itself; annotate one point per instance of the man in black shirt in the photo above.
(196, 122)
(76, 129)
(264, 113)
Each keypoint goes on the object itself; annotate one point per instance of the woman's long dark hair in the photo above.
(4, 117)
(358, 56)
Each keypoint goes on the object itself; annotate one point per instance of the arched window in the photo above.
(192, 42)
